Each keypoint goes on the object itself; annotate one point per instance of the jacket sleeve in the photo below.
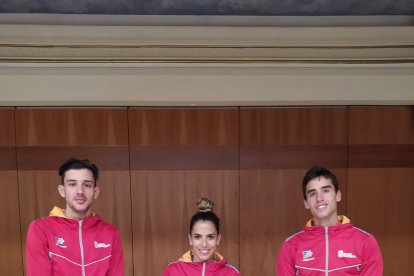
(372, 264)
(116, 266)
(38, 262)
(285, 262)
(166, 272)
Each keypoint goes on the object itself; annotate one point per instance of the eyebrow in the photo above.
(74, 180)
(212, 234)
(323, 187)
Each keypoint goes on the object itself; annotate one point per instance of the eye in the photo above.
(197, 237)
(312, 194)
(211, 237)
(88, 185)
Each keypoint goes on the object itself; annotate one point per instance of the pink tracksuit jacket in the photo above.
(59, 246)
(337, 250)
(185, 267)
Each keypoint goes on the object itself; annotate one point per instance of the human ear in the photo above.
(189, 239)
(306, 204)
(338, 196)
(97, 192)
(61, 190)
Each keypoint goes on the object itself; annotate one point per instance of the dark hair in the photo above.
(205, 213)
(316, 172)
(77, 164)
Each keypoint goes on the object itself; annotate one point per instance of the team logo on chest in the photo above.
(60, 242)
(307, 255)
(342, 254)
(101, 244)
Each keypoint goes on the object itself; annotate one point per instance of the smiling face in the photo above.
(321, 200)
(204, 241)
(79, 191)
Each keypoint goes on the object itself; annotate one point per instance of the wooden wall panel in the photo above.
(380, 202)
(294, 126)
(11, 257)
(72, 127)
(48, 137)
(184, 127)
(381, 187)
(277, 146)
(164, 202)
(381, 125)
(177, 156)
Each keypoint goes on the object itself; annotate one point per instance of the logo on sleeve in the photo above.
(60, 242)
(307, 255)
(101, 245)
(342, 254)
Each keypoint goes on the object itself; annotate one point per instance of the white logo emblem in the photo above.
(101, 245)
(307, 255)
(342, 254)
(60, 242)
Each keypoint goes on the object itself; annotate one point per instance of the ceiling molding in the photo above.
(58, 43)
(206, 20)
(44, 65)
(186, 84)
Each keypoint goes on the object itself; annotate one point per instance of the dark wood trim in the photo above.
(50, 158)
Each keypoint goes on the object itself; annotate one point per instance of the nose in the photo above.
(79, 189)
(319, 196)
(204, 243)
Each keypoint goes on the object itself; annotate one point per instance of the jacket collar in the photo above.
(343, 219)
(187, 257)
(86, 222)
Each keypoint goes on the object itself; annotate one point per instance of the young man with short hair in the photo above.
(74, 241)
(329, 244)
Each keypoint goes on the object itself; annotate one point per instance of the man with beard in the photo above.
(74, 241)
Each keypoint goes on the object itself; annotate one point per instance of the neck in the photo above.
(195, 259)
(328, 222)
(77, 215)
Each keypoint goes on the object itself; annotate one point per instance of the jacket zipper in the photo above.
(81, 248)
(203, 272)
(326, 251)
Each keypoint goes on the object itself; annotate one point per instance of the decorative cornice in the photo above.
(45, 65)
(58, 43)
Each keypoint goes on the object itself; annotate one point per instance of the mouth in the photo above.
(204, 252)
(80, 200)
(321, 207)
